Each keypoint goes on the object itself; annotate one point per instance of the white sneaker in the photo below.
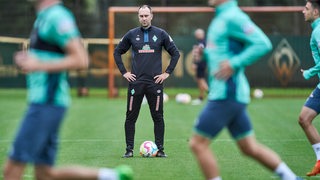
(196, 102)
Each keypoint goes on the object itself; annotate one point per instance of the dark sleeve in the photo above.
(172, 49)
(122, 48)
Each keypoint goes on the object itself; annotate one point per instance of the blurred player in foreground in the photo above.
(229, 91)
(55, 47)
(311, 107)
(200, 66)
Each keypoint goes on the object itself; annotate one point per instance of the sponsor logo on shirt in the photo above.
(248, 28)
(211, 45)
(146, 49)
(65, 26)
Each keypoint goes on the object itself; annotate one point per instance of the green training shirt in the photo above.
(54, 27)
(314, 45)
(232, 25)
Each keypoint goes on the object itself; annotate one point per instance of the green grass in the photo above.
(93, 135)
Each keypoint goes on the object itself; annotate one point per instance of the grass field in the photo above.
(93, 135)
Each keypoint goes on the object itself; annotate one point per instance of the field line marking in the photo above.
(168, 140)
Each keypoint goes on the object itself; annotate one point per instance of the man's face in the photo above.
(145, 17)
(309, 12)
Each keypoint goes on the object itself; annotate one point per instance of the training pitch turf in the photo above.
(93, 135)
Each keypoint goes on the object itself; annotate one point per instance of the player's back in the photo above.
(233, 36)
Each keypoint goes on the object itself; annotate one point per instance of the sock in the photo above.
(316, 149)
(216, 178)
(107, 174)
(284, 172)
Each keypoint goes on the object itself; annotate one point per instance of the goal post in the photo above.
(14, 40)
(112, 11)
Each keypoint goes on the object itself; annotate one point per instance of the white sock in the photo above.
(284, 172)
(107, 174)
(316, 149)
(216, 178)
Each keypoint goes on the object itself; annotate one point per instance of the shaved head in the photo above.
(199, 34)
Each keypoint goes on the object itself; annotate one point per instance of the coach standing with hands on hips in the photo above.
(146, 77)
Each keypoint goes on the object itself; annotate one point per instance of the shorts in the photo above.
(313, 100)
(201, 69)
(223, 113)
(37, 139)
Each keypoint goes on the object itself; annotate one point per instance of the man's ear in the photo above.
(316, 12)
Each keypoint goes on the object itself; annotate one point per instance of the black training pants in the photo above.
(154, 95)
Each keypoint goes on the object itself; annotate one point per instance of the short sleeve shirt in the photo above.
(53, 29)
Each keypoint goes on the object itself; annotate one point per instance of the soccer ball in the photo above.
(144, 100)
(183, 98)
(165, 97)
(258, 93)
(148, 149)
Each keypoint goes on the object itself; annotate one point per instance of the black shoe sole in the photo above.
(127, 156)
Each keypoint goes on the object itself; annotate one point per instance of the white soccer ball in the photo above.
(183, 98)
(258, 93)
(148, 149)
(144, 100)
(165, 97)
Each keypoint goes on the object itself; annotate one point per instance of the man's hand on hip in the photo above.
(129, 76)
(160, 78)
